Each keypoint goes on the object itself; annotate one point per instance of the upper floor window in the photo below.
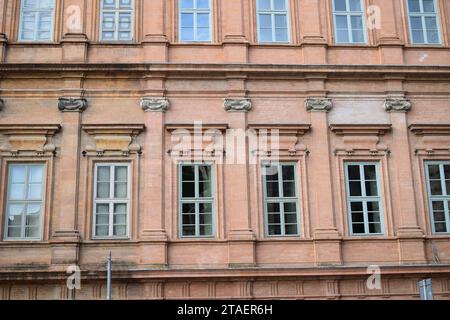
(196, 200)
(111, 200)
(438, 182)
(280, 200)
(272, 17)
(117, 20)
(423, 21)
(36, 20)
(349, 25)
(195, 20)
(24, 204)
(364, 198)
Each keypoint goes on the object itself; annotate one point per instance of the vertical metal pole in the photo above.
(108, 278)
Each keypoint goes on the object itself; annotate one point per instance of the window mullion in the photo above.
(447, 215)
(443, 186)
(363, 181)
(111, 197)
(274, 38)
(366, 217)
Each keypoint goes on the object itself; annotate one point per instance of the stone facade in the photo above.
(76, 101)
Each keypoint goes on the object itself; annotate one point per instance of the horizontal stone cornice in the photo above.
(360, 129)
(430, 129)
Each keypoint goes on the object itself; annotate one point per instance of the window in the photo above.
(423, 21)
(196, 200)
(364, 199)
(195, 20)
(117, 20)
(349, 24)
(438, 181)
(36, 20)
(24, 205)
(272, 21)
(111, 200)
(280, 200)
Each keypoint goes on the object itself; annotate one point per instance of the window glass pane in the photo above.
(370, 172)
(188, 207)
(357, 217)
(371, 189)
(356, 206)
(265, 35)
(288, 189)
(341, 22)
(188, 230)
(187, 4)
(203, 34)
(281, 35)
(204, 173)
(436, 187)
(431, 23)
(416, 23)
(35, 174)
(120, 208)
(291, 229)
(188, 219)
(102, 208)
(428, 6)
(15, 212)
(356, 22)
(205, 218)
(203, 20)
(126, 4)
(205, 189)
(355, 5)
(374, 227)
(188, 189)
(272, 189)
(290, 207)
(447, 171)
(125, 21)
(280, 21)
(206, 230)
(433, 36)
(355, 188)
(342, 36)
(34, 191)
(205, 207)
(102, 231)
(18, 173)
(418, 36)
(279, 4)
(120, 231)
(187, 20)
(353, 172)
(274, 218)
(440, 227)
(103, 174)
(290, 218)
(358, 228)
(13, 232)
(103, 190)
(340, 5)
(188, 173)
(264, 4)
(109, 4)
(31, 232)
(288, 173)
(358, 36)
(274, 230)
(414, 5)
(17, 191)
(102, 219)
(265, 21)
(374, 216)
(273, 207)
(202, 4)
(434, 172)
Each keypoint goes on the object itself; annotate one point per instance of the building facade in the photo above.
(295, 149)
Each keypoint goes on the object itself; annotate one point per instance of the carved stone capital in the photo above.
(318, 104)
(2, 104)
(72, 104)
(155, 104)
(237, 105)
(397, 105)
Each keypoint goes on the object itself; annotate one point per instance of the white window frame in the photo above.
(444, 198)
(281, 200)
(272, 14)
(197, 200)
(195, 12)
(41, 201)
(349, 14)
(423, 15)
(111, 200)
(364, 199)
(52, 30)
(117, 12)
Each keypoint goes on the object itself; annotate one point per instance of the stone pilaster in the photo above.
(153, 233)
(66, 237)
(327, 241)
(74, 40)
(155, 42)
(241, 237)
(313, 40)
(235, 42)
(383, 16)
(3, 36)
(408, 230)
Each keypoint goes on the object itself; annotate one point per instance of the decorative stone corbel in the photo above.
(72, 104)
(155, 104)
(237, 105)
(318, 104)
(397, 105)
